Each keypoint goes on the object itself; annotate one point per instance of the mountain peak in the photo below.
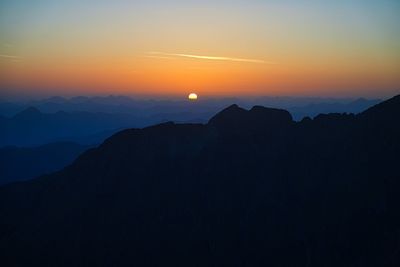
(229, 116)
(258, 117)
(28, 112)
(270, 114)
(233, 107)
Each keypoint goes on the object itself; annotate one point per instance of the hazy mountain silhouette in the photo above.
(23, 163)
(154, 111)
(31, 127)
(250, 188)
(313, 109)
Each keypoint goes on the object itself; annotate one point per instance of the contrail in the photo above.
(213, 58)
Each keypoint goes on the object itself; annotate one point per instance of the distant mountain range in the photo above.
(249, 188)
(23, 163)
(182, 110)
(31, 127)
(90, 120)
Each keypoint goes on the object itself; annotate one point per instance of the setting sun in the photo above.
(214, 132)
(192, 96)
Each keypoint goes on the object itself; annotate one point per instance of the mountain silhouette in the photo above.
(152, 111)
(23, 163)
(29, 113)
(31, 127)
(235, 118)
(249, 188)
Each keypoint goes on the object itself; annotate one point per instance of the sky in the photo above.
(214, 48)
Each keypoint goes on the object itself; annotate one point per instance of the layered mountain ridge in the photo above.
(250, 188)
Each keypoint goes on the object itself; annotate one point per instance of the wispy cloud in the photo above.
(9, 56)
(162, 54)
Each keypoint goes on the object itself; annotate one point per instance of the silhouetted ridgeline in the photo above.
(180, 110)
(250, 188)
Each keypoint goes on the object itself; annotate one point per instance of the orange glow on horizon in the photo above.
(257, 48)
(212, 78)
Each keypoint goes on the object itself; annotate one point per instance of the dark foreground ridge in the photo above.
(250, 188)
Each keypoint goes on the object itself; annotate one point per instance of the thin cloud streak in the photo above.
(213, 58)
(9, 56)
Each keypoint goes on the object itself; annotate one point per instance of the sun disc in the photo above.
(192, 96)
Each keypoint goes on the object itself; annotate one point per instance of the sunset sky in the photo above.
(214, 48)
